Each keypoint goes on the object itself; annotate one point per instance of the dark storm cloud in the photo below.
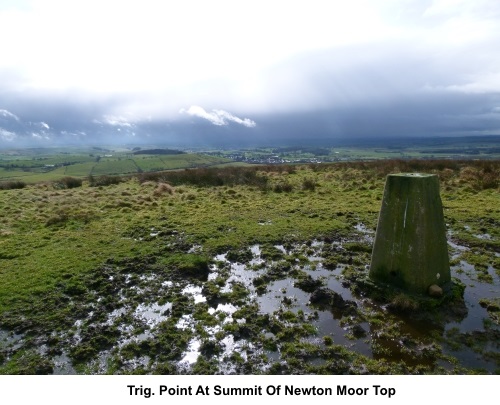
(423, 114)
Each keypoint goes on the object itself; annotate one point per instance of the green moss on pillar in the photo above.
(410, 249)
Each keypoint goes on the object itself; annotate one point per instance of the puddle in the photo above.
(474, 291)
(281, 248)
(192, 353)
(152, 314)
(195, 292)
(10, 341)
(195, 249)
(264, 223)
(255, 249)
(185, 322)
(279, 292)
(456, 250)
(62, 365)
(360, 227)
(228, 309)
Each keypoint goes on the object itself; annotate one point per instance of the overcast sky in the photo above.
(130, 70)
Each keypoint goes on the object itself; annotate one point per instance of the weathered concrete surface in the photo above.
(410, 249)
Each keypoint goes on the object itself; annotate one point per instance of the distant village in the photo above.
(262, 158)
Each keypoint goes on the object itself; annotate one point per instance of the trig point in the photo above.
(410, 249)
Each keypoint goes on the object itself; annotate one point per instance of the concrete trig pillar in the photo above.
(410, 249)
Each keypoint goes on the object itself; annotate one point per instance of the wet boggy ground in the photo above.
(286, 308)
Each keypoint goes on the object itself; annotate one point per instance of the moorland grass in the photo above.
(53, 239)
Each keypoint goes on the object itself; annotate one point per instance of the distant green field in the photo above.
(149, 163)
(45, 161)
(32, 176)
(43, 166)
(114, 166)
(80, 169)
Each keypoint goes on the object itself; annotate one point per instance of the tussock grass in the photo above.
(163, 188)
(68, 182)
(209, 177)
(12, 185)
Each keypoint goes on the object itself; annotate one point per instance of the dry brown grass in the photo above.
(162, 189)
